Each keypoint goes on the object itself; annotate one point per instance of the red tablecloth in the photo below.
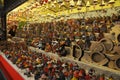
(9, 72)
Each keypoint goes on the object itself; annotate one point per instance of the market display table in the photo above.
(13, 72)
(85, 65)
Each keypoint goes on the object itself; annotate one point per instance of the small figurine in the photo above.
(103, 28)
(48, 47)
(40, 45)
(100, 36)
(70, 74)
(62, 76)
(87, 77)
(43, 77)
(113, 36)
(68, 42)
(12, 30)
(91, 72)
(102, 77)
(83, 36)
(92, 36)
(62, 51)
(96, 29)
(75, 75)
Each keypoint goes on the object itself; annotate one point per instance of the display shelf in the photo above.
(86, 65)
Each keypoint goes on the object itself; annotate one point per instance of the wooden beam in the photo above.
(14, 5)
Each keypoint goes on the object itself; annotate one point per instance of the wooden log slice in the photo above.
(118, 44)
(118, 37)
(98, 58)
(117, 63)
(112, 56)
(86, 57)
(78, 52)
(107, 43)
(96, 46)
(116, 49)
(111, 64)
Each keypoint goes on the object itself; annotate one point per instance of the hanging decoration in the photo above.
(72, 3)
(57, 6)
(102, 3)
(52, 5)
(88, 4)
(59, 1)
(67, 0)
(95, 2)
(55, 2)
(79, 4)
(111, 2)
(49, 1)
(63, 4)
